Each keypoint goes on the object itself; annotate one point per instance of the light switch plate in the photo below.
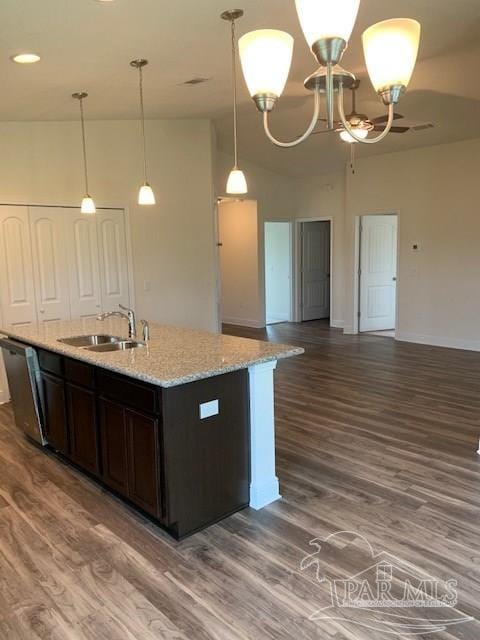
(209, 409)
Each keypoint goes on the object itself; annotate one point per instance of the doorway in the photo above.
(315, 265)
(378, 273)
(278, 272)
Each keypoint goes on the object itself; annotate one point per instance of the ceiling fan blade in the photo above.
(336, 124)
(314, 133)
(383, 119)
(393, 129)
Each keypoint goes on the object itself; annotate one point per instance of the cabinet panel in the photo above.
(143, 462)
(83, 263)
(16, 271)
(113, 259)
(55, 410)
(82, 426)
(113, 430)
(50, 260)
(206, 460)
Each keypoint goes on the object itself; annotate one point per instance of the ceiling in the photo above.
(87, 45)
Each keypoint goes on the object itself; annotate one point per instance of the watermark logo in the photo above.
(387, 595)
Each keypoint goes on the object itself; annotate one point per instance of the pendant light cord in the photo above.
(142, 115)
(82, 120)
(234, 76)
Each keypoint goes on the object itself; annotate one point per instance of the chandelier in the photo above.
(390, 49)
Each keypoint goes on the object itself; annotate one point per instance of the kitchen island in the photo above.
(181, 427)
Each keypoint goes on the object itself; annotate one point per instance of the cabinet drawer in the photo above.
(129, 393)
(51, 362)
(79, 372)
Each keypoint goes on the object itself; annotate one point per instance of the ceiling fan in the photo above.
(362, 124)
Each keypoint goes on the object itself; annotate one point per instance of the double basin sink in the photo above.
(102, 343)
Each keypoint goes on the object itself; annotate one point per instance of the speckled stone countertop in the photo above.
(173, 356)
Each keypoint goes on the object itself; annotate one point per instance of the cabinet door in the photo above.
(55, 412)
(113, 430)
(82, 426)
(17, 294)
(113, 259)
(83, 264)
(50, 260)
(143, 462)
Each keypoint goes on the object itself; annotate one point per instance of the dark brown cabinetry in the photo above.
(130, 454)
(82, 427)
(55, 412)
(151, 445)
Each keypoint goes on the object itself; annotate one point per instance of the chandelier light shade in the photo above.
(88, 205)
(266, 57)
(236, 183)
(322, 19)
(145, 193)
(391, 49)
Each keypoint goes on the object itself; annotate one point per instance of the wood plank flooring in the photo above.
(374, 437)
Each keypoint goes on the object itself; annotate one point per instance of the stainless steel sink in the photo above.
(91, 340)
(121, 345)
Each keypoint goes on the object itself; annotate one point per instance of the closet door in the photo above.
(83, 264)
(17, 295)
(49, 248)
(113, 259)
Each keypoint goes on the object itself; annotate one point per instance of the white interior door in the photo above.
(17, 294)
(315, 270)
(83, 264)
(278, 266)
(378, 272)
(49, 249)
(113, 259)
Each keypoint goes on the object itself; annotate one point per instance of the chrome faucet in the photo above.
(129, 315)
(146, 330)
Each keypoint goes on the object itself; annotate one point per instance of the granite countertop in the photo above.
(173, 356)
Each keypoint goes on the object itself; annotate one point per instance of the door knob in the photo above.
(394, 278)
(42, 310)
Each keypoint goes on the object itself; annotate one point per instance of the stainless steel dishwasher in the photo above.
(23, 373)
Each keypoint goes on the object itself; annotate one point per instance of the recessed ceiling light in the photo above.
(26, 58)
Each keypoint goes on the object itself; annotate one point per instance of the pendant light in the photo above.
(88, 205)
(145, 193)
(237, 183)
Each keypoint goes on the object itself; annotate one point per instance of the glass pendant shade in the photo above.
(146, 195)
(237, 183)
(391, 49)
(88, 205)
(361, 133)
(266, 57)
(321, 19)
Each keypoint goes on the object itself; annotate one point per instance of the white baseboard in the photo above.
(438, 341)
(242, 322)
(337, 324)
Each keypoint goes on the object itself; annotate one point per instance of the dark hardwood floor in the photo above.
(374, 437)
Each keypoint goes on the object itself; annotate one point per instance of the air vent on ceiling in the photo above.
(196, 80)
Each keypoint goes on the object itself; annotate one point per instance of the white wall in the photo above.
(278, 269)
(435, 191)
(239, 268)
(173, 242)
(283, 198)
